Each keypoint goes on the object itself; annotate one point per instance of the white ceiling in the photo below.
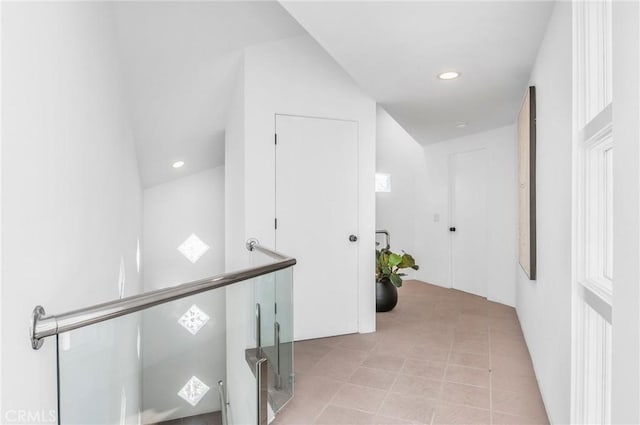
(180, 60)
(179, 64)
(394, 50)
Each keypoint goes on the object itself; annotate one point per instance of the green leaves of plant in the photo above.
(389, 263)
(395, 279)
(408, 262)
(394, 260)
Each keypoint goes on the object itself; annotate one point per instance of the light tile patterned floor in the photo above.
(440, 357)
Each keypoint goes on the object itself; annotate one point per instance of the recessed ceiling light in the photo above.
(177, 164)
(449, 75)
(461, 124)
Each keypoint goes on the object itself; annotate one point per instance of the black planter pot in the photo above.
(386, 296)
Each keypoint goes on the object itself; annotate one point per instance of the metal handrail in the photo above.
(43, 325)
(387, 236)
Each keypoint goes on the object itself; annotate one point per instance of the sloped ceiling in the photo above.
(394, 50)
(180, 61)
(179, 64)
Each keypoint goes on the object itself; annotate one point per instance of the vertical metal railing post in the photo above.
(258, 332)
(223, 403)
(262, 391)
(276, 339)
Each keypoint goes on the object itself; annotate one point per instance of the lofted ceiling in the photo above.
(179, 65)
(180, 60)
(394, 51)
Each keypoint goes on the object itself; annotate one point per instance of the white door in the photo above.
(317, 212)
(468, 221)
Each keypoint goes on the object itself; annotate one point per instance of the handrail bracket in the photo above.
(37, 314)
(252, 243)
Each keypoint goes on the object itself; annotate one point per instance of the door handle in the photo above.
(353, 238)
(452, 229)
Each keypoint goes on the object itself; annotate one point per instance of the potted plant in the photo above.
(389, 278)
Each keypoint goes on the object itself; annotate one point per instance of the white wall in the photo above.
(296, 76)
(626, 243)
(1, 273)
(71, 197)
(293, 76)
(399, 155)
(172, 212)
(544, 305)
(240, 329)
(433, 237)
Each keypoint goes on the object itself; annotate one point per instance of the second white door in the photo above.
(317, 221)
(468, 221)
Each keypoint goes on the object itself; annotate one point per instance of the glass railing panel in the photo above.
(164, 364)
(99, 371)
(157, 366)
(274, 302)
(241, 358)
(284, 318)
(265, 295)
(184, 358)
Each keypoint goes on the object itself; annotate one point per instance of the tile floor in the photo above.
(440, 357)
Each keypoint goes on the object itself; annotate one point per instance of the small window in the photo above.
(383, 182)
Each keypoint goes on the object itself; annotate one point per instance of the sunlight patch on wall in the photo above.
(193, 248)
(193, 391)
(123, 407)
(138, 256)
(138, 342)
(194, 319)
(121, 279)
